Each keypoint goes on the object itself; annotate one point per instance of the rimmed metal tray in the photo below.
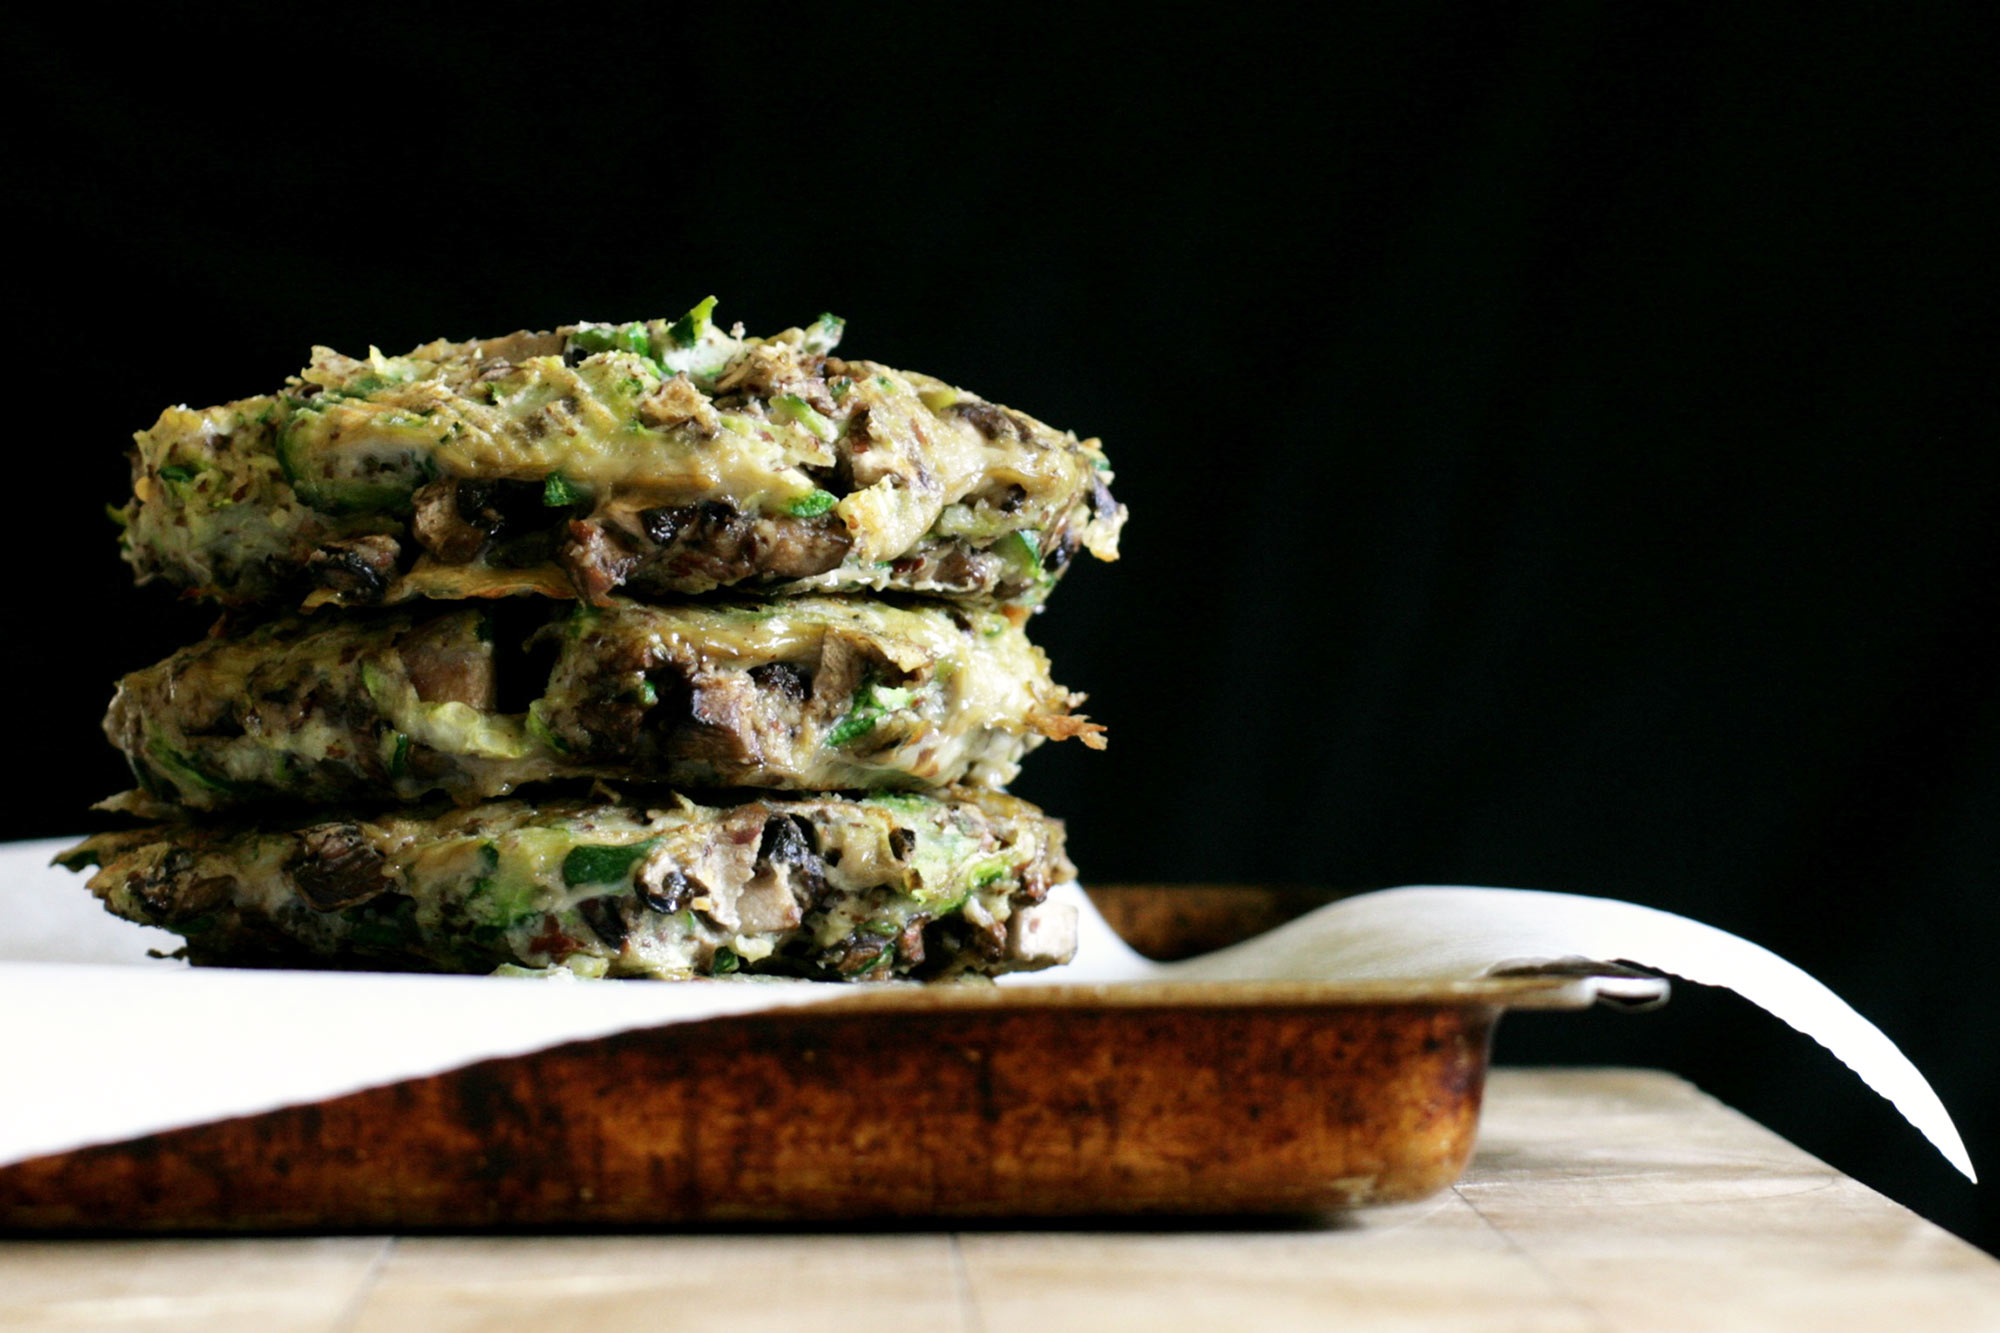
(891, 1103)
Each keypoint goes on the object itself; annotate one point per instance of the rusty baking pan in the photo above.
(892, 1103)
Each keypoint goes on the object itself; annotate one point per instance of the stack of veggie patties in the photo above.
(632, 650)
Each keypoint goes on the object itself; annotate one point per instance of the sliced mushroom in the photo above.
(337, 867)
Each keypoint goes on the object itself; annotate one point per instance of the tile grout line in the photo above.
(1596, 1316)
(350, 1314)
(961, 1276)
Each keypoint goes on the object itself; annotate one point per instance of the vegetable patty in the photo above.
(823, 887)
(659, 458)
(807, 693)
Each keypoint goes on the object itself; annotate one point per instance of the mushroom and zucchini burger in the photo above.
(828, 887)
(627, 650)
(660, 459)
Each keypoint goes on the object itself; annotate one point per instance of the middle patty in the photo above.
(818, 694)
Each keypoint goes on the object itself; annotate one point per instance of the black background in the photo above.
(1559, 440)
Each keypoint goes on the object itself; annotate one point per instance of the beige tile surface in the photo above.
(555, 1284)
(1648, 1200)
(171, 1285)
(1600, 1200)
(1419, 1267)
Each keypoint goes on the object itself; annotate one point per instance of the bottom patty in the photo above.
(825, 887)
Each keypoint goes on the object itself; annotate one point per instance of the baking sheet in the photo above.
(116, 1044)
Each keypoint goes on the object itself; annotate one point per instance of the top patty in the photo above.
(656, 458)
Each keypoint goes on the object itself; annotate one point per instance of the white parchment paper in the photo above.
(102, 1043)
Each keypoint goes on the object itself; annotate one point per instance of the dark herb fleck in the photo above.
(812, 504)
(559, 492)
(597, 864)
